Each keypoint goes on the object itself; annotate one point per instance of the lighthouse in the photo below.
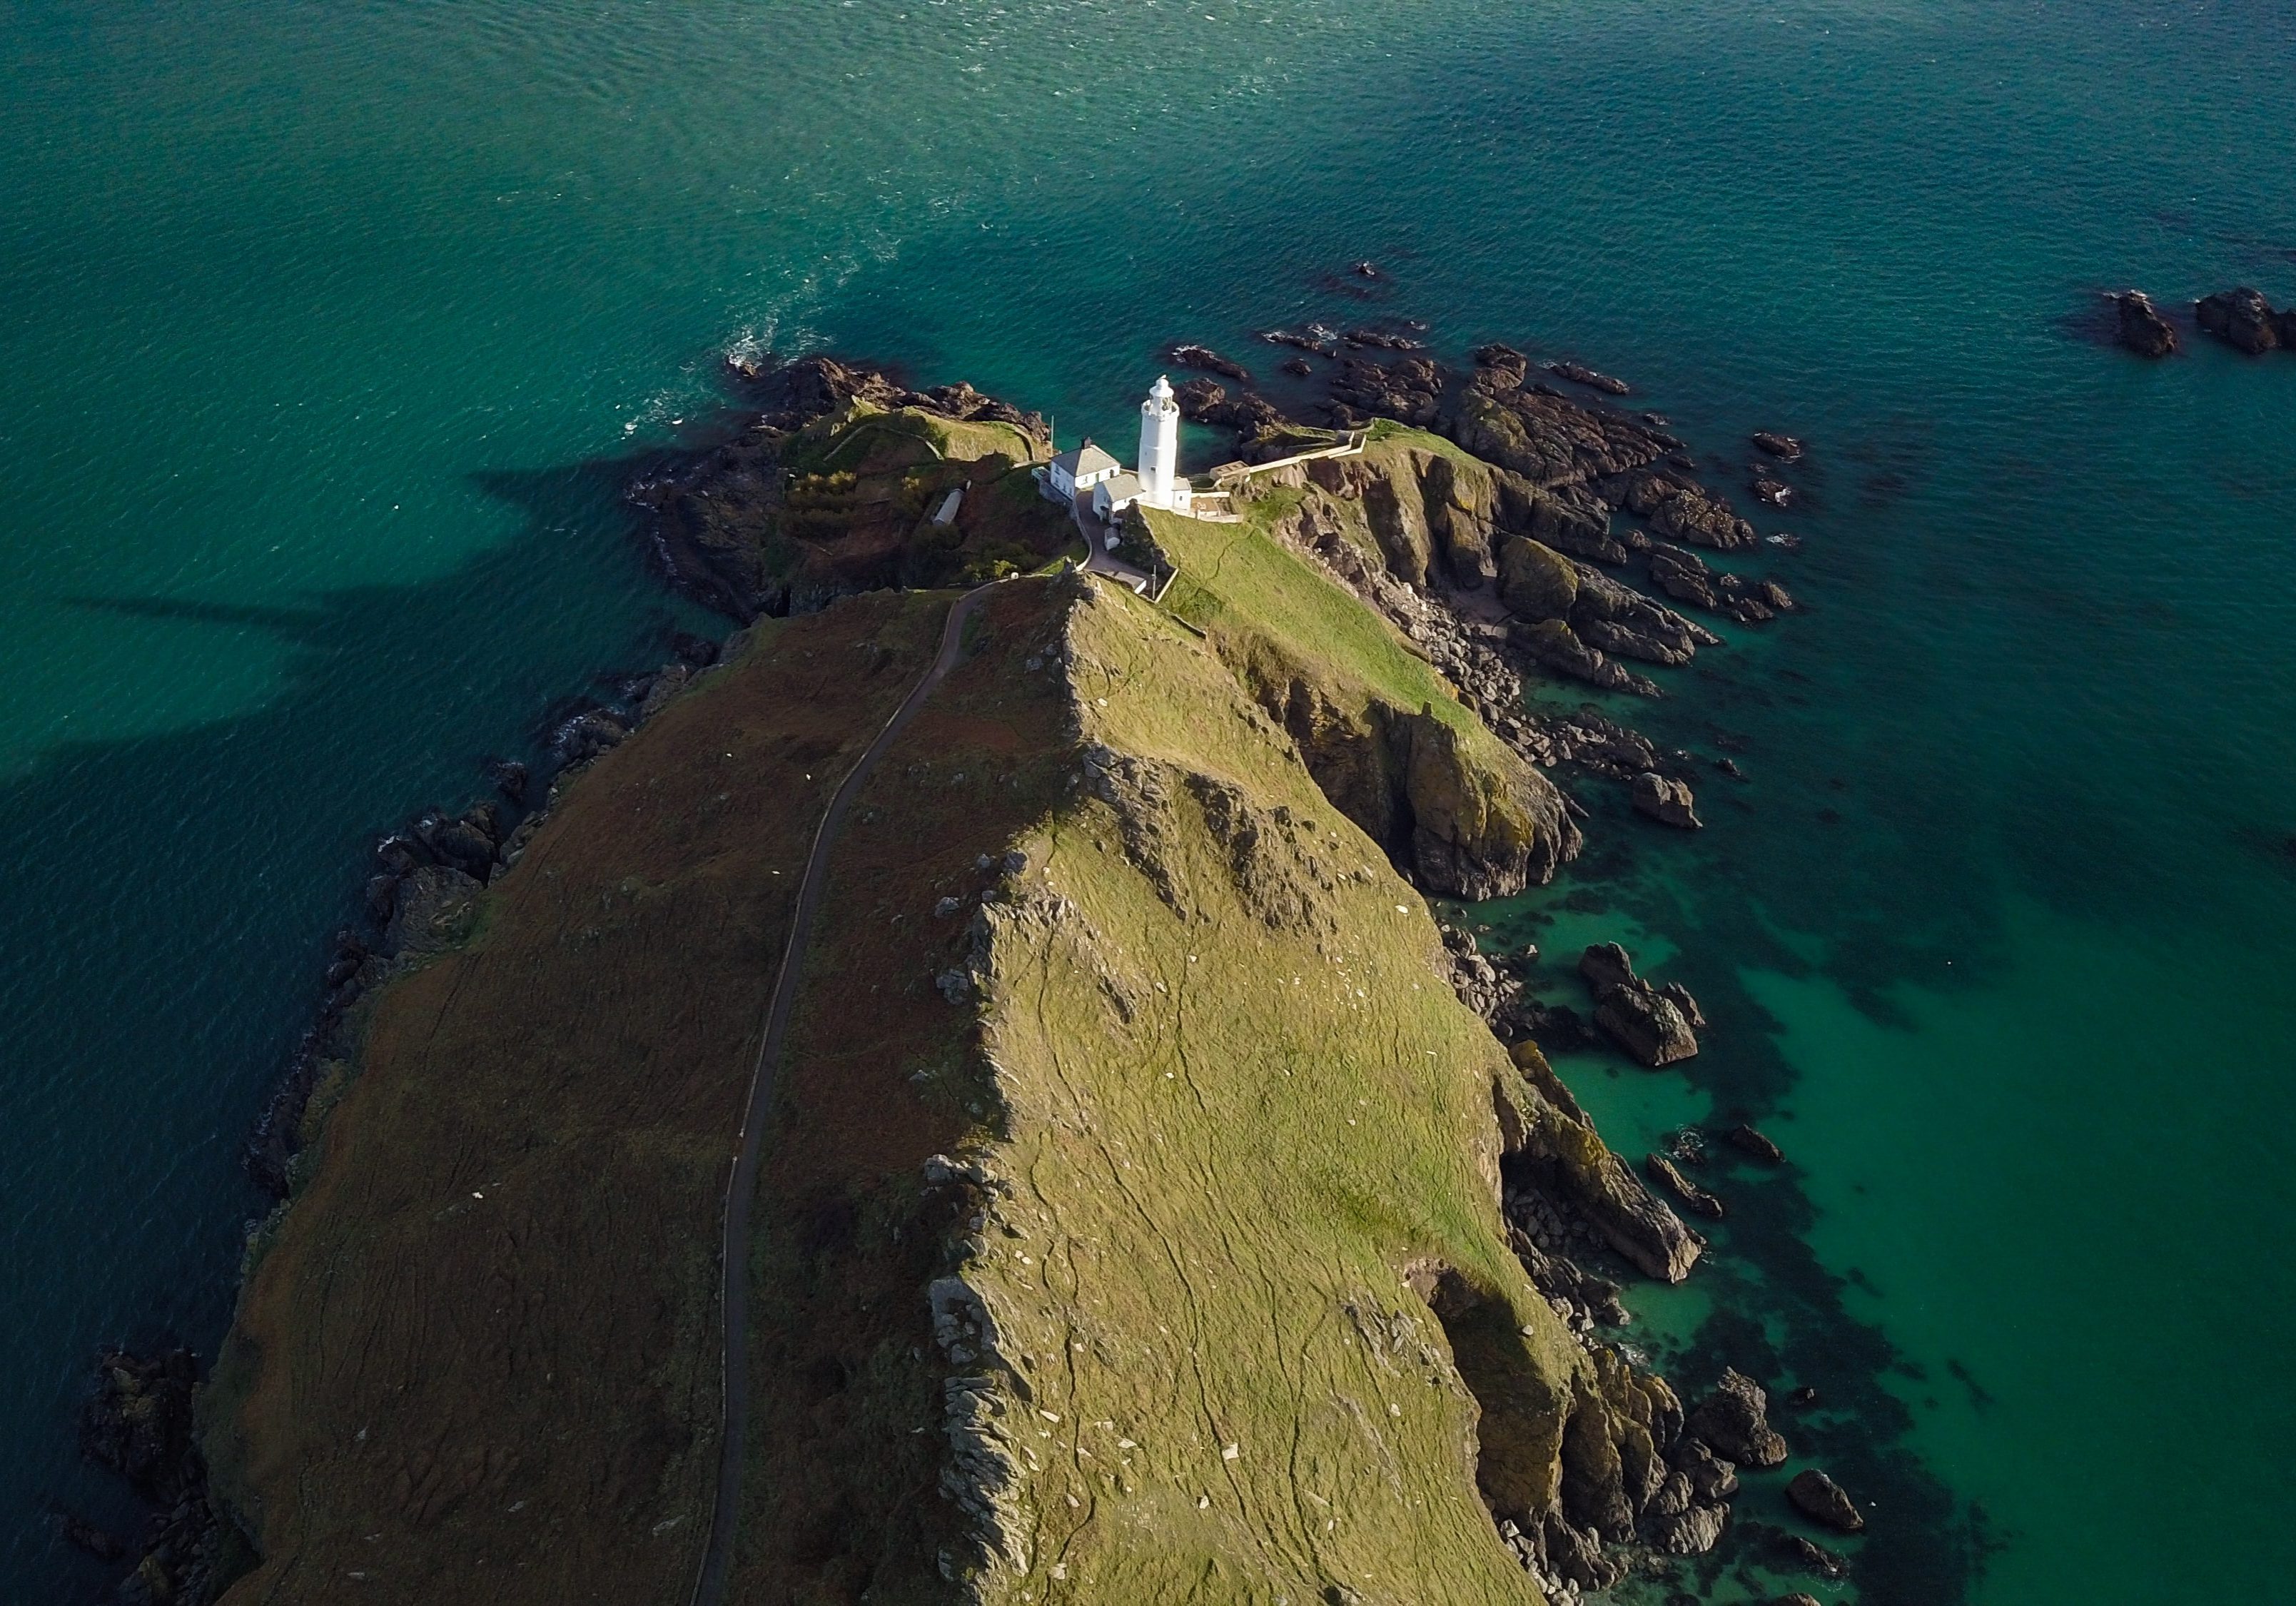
(1160, 445)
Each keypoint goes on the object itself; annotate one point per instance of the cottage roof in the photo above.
(1086, 459)
(1122, 487)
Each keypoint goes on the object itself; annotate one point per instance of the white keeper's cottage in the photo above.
(1107, 488)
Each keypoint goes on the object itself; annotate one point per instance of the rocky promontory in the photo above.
(1130, 1076)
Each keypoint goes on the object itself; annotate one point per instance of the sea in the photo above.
(327, 331)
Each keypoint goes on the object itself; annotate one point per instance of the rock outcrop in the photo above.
(1667, 800)
(2138, 325)
(1734, 1422)
(2241, 319)
(1633, 1014)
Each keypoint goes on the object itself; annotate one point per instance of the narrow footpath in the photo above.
(741, 1187)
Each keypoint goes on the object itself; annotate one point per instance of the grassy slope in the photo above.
(1216, 1200)
(508, 1399)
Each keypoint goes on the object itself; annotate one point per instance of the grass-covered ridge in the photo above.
(1244, 1113)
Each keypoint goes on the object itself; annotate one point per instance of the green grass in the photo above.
(1222, 1179)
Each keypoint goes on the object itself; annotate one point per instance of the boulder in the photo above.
(1746, 1140)
(1666, 801)
(1821, 1499)
(1635, 1015)
(1734, 1422)
(1504, 363)
(2139, 327)
(1298, 367)
(2241, 318)
(1786, 448)
(1646, 1026)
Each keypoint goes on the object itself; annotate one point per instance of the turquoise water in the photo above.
(311, 316)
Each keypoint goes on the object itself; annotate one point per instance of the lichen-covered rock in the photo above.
(1822, 1500)
(1536, 582)
(1480, 830)
(1734, 1421)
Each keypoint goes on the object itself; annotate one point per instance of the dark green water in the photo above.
(309, 314)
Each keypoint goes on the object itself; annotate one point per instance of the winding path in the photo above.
(718, 1557)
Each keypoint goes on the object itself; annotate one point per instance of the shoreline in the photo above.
(428, 874)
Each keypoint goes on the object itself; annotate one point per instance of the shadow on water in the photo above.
(164, 921)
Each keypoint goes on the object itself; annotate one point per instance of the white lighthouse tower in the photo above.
(1160, 445)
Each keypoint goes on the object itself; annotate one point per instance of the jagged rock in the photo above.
(2138, 325)
(1734, 1422)
(1680, 997)
(139, 1422)
(1690, 1532)
(668, 682)
(2241, 318)
(1553, 645)
(1547, 438)
(1477, 833)
(468, 844)
(510, 777)
(1579, 373)
(1771, 491)
(1786, 448)
(1554, 1134)
(1745, 1138)
(1821, 1499)
(1381, 340)
(1682, 510)
(1710, 1477)
(1671, 1178)
(430, 910)
(1409, 392)
(1185, 355)
(1798, 1599)
(1666, 801)
(1504, 363)
(590, 733)
(1298, 367)
(1317, 339)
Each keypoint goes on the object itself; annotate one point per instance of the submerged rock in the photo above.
(1670, 1176)
(1822, 1500)
(1579, 373)
(1734, 1421)
(1184, 354)
(2139, 327)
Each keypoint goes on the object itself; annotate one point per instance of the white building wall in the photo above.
(1160, 444)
